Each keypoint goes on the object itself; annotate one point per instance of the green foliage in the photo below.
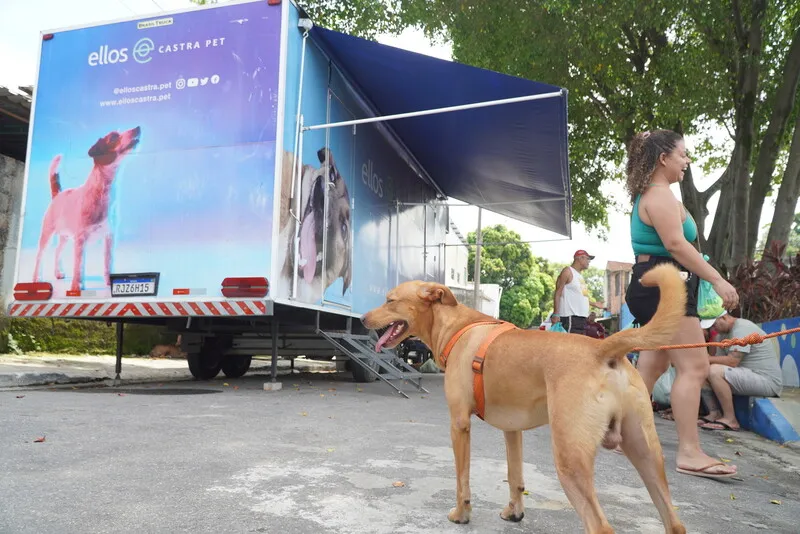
(528, 282)
(64, 336)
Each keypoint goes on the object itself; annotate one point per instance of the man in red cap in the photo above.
(571, 300)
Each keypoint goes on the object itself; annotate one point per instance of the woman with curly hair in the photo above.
(662, 231)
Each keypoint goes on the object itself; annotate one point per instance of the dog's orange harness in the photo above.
(478, 359)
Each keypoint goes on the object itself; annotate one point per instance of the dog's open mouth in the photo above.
(392, 336)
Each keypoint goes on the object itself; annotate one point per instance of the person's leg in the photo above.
(722, 390)
(712, 404)
(692, 370)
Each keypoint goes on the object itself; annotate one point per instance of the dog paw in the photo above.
(459, 517)
(510, 514)
(59, 275)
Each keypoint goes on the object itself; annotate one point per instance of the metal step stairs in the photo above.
(360, 349)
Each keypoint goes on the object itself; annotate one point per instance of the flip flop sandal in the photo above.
(724, 426)
(704, 421)
(703, 472)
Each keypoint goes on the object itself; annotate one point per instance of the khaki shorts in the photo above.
(745, 382)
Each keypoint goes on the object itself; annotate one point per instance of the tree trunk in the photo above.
(788, 194)
(693, 202)
(770, 145)
(718, 245)
(749, 63)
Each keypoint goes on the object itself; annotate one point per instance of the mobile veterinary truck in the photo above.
(256, 183)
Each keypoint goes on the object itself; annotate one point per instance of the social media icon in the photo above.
(204, 81)
(215, 79)
(192, 82)
(180, 84)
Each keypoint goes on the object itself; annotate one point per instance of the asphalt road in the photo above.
(323, 456)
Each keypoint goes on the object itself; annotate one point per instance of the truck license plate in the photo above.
(133, 285)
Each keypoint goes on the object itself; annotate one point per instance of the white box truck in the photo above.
(256, 183)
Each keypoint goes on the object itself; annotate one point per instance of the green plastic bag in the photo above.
(709, 304)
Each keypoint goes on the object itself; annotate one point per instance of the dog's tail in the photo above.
(55, 179)
(660, 330)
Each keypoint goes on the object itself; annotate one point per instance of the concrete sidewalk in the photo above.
(50, 369)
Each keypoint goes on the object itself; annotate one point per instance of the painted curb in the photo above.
(42, 379)
(761, 416)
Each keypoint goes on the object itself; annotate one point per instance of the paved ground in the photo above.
(323, 455)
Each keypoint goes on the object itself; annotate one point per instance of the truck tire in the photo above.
(362, 375)
(236, 365)
(207, 363)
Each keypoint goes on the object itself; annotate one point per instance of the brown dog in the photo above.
(584, 388)
(82, 213)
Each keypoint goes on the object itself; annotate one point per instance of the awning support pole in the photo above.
(477, 274)
(436, 110)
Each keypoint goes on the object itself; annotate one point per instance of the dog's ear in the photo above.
(437, 293)
(99, 148)
(325, 153)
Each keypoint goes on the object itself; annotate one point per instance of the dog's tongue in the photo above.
(385, 337)
(308, 247)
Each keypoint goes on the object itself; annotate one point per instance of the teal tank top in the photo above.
(645, 239)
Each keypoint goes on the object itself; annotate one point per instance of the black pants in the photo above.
(574, 324)
(643, 301)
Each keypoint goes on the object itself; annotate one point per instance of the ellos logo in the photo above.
(142, 51)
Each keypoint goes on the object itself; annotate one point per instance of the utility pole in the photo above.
(476, 276)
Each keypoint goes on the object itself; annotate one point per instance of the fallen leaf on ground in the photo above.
(729, 440)
(121, 394)
(726, 460)
(304, 414)
(331, 450)
(738, 453)
(359, 390)
(775, 501)
(399, 484)
(235, 387)
(20, 396)
(332, 389)
(526, 492)
(733, 497)
(39, 440)
(225, 384)
(321, 394)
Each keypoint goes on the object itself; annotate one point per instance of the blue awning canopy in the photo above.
(510, 159)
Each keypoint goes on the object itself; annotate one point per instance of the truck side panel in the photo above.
(154, 144)
(348, 258)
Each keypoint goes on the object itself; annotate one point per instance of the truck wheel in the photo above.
(207, 363)
(362, 375)
(236, 365)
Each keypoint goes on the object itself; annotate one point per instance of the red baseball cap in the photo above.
(583, 253)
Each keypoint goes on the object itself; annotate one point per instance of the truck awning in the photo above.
(510, 159)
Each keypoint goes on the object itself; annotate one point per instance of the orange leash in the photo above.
(479, 359)
(752, 339)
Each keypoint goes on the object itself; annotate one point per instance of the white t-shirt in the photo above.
(574, 297)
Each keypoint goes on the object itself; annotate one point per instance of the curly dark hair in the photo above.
(643, 152)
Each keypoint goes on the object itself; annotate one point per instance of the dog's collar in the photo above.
(453, 340)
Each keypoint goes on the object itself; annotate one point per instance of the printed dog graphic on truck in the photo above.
(312, 222)
(82, 213)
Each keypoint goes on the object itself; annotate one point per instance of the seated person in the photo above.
(555, 324)
(752, 370)
(593, 328)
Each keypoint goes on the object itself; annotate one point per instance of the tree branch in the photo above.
(738, 23)
(706, 195)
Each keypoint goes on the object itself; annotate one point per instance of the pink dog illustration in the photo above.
(82, 212)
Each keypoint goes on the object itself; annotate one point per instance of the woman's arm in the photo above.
(665, 216)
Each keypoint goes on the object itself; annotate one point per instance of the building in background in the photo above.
(457, 277)
(618, 278)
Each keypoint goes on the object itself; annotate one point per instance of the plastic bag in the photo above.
(663, 387)
(709, 304)
(557, 328)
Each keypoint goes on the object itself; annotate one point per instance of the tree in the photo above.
(527, 288)
(629, 65)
